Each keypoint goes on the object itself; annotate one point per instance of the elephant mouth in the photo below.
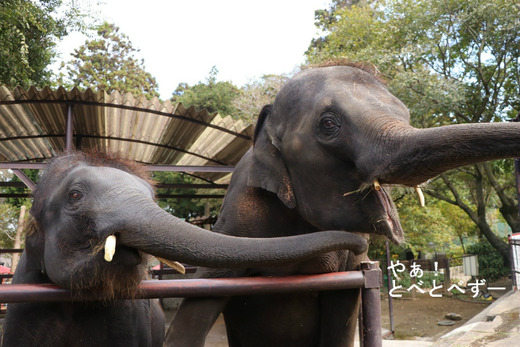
(388, 223)
(112, 247)
(126, 255)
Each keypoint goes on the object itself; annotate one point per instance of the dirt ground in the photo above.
(414, 319)
(417, 318)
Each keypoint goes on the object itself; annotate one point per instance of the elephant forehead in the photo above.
(100, 176)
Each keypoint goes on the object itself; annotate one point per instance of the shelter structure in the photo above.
(38, 124)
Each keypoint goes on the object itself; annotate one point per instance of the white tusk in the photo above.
(110, 247)
(420, 195)
(377, 186)
(174, 265)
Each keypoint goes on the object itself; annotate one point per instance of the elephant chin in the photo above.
(113, 280)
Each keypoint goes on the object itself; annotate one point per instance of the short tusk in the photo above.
(174, 265)
(421, 196)
(110, 247)
(377, 186)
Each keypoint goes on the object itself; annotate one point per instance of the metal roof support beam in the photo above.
(24, 178)
(177, 168)
(69, 129)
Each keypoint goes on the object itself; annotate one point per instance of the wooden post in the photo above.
(18, 239)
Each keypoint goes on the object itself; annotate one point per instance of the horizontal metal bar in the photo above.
(12, 184)
(158, 196)
(189, 186)
(190, 196)
(197, 287)
(158, 185)
(214, 168)
(14, 165)
(15, 196)
(192, 168)
(11, 250)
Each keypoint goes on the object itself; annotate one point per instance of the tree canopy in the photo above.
(456, 62)
(229, 100)
(257, 93)
(29, 31)
(215, 96)
(109, 62)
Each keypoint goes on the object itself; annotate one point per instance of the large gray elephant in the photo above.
(93, 216)
(322, 156)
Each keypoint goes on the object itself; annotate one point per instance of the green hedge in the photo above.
(490, 263)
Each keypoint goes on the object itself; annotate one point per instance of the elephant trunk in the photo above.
(411, 156)
(156, 232)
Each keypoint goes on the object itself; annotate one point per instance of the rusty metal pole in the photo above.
(389, 282)
(69, 129)
(197, 287)
(371, 304)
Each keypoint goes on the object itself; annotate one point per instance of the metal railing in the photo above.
(368, 279)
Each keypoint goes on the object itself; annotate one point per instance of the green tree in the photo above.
(8, 224)
(457, 62)
(212, 95)
(186, 208)
(29, 31)
(490, 264)
(108, 62)
(256, 94)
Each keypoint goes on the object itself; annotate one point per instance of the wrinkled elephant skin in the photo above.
(322, 156)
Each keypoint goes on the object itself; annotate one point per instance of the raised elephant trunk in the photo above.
(411, 156)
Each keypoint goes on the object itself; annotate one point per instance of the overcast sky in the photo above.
(181, 40)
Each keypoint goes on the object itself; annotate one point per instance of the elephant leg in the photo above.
(193, 321)
(339, 313)
(156, 323)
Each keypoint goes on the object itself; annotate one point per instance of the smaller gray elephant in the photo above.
(93, 221)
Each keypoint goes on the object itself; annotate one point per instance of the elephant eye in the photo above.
(75, 195)
(329, 124)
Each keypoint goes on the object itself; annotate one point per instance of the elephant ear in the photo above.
(34, 247)
(268, 170)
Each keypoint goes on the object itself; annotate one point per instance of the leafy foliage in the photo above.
(256, 94)
(438, 228)
(490, 263)
(8, 224)
(457, 62)
(212, 95)
(29, 31)
(187, 209)
(109, 63)
(229, 100)
(426, 279)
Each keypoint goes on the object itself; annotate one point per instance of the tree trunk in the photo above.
(509, 208)
(478, 216)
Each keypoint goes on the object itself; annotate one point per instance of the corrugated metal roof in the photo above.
(33, 127)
